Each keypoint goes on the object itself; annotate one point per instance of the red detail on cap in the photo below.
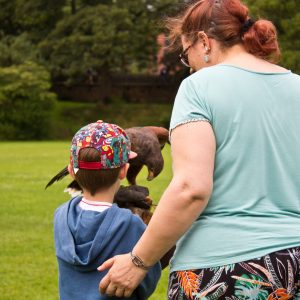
(89, 165)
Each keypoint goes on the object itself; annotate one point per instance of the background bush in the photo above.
(25, 102)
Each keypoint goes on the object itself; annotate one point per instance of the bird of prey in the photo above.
(147, 142)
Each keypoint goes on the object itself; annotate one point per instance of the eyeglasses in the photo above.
(184, 57)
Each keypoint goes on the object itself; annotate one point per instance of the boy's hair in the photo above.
(95, 180)
(98, 152)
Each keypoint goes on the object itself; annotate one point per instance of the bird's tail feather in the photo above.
(64, 172)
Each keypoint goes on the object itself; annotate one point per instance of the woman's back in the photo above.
(254, 208)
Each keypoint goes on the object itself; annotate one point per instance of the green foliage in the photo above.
(95, 38)
(38, 17)
(25, 102)
(7, 20)
(286, 17)
(291, 42)
(103, 36)
(116, 37)
(15, 50)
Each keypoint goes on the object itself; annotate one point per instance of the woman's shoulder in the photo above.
(227, 68)
(210, 73)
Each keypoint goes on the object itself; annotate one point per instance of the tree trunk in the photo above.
(73, 7)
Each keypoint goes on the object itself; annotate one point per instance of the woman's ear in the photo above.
(123, 171)
(71, 171)
(203, 38)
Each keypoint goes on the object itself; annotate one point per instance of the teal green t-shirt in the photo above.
(254, 208)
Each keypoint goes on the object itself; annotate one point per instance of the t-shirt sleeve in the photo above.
(190, 104)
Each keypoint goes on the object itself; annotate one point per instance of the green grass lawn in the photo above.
(28, 264)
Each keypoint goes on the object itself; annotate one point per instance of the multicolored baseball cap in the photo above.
(110, 140)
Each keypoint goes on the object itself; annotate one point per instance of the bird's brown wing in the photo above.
(145, 143)
(128, 197)
(161, 133)
(133, 171)
(139, 139)
(142, 189)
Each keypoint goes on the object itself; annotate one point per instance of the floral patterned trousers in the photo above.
(274, 276)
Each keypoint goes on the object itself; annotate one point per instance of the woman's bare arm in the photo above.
(193, 153)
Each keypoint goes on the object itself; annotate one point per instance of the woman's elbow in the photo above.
(195, 190)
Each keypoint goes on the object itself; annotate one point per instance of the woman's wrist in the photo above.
(144, 255)
(138, 262)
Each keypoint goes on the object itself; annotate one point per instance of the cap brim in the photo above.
(132, 155)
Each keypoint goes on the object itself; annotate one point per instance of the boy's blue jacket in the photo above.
(84, 239)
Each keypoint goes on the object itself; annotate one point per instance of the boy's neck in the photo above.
(106, 195)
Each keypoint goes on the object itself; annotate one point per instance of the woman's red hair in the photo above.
(223, 20)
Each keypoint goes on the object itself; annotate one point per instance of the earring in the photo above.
(206, 56)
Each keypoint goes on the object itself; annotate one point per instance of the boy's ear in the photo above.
(123, 171)
(71, 171)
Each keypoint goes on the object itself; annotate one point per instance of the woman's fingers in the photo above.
(123, 276)
(128, 293)
(111, 290)
(107, 264)
(104, 283)
(119, 292)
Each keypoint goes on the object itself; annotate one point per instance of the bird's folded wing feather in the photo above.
(64, 172)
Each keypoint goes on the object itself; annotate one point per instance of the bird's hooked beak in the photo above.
(150, 175)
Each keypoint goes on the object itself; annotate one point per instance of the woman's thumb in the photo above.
(107, 264)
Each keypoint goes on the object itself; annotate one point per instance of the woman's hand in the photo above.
(122, 278)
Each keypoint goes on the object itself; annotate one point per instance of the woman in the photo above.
(232, 207)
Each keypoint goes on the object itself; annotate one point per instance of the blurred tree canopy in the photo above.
(113, 36)
(25, 102)
(38, 17)
(76, 38)
(15, 50)
(286, 17)
(74, 41)
(92, 39)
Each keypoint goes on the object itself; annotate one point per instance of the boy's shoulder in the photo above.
(117, 215)
(126, 213)
(64, 206)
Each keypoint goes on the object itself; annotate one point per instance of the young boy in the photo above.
(89, 229)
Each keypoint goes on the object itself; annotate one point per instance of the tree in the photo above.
(105, 36)
(286, 17)
(7, 20)
(15, 50)
(92, 39)
(25, 102)
(101, 38)
(37, 17)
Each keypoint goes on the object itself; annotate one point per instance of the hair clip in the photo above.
(247, 25)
